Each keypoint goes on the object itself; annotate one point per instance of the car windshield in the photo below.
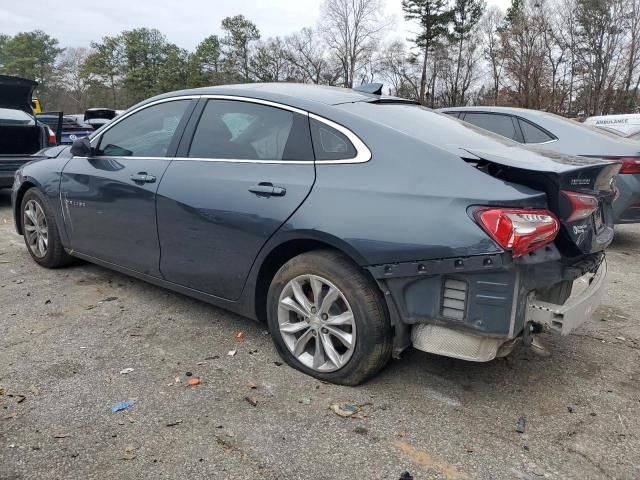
(15, 117)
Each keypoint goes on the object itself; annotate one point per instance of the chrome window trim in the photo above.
(363, 154)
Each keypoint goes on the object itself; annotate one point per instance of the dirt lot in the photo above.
(66, 335)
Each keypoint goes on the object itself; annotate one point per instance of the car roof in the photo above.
(492, 109)
(294, 94)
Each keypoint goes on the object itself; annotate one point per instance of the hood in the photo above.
(16, 93)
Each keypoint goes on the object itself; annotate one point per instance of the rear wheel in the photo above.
(41, 232)
(328, 319)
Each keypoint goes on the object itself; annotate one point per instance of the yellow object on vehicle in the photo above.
(37, 106)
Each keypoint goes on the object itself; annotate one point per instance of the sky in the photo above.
(185, 22)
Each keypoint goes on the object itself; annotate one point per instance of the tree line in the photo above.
(572, 57)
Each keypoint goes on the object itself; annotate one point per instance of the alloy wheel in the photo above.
(316, 323)
(36, 229)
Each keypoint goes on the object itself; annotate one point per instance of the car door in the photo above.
(244, 171)
(505, 125)
(108, 198)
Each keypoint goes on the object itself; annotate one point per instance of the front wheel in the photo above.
(41, 232)
(328, 319)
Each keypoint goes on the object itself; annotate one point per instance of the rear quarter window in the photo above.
(533, 134)
(494, 122)
(329, 143)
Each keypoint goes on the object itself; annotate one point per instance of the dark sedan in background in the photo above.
(354, 224)
(71, 129)
(550, 131)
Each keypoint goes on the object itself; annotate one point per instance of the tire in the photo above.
(54, 255)
(358, 308)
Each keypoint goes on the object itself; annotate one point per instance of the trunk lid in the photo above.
(16, 93)
(555, 173)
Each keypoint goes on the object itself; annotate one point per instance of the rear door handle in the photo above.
(266, 189)
(143, 177)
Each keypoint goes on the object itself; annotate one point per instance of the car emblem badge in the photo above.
(72, 137)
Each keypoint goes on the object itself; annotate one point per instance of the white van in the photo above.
(625, 123)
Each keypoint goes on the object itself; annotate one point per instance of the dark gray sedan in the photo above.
(352, 223)
(533, 127)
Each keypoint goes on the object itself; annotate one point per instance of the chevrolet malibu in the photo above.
(352, 223)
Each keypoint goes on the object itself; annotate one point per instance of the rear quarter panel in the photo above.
(409, 202)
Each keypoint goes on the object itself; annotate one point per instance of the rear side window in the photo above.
(533, 134)
(231, 129)
(496, 123)
(329, 143)
(146, 133)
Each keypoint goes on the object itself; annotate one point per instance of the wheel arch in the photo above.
(26, 185)
(292, 245)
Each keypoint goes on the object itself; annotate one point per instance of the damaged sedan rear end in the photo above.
(504, 235)
(352, 223)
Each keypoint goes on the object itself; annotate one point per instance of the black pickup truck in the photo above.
(22, 136)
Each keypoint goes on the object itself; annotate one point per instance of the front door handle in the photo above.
(143, 177)
(267, 189)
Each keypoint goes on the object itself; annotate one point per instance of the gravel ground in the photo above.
(65, 336)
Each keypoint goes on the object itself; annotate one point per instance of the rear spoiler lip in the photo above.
(538, 159)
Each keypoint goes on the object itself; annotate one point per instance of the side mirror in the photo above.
(81, 148)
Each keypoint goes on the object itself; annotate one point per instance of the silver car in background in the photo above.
(559, 134)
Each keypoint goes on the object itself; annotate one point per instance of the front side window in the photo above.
(233, 129)
(496, 123)
(146, 133)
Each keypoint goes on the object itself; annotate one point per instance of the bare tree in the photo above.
(492, 48)
(71, 77)
(351, 28)
(306, 56)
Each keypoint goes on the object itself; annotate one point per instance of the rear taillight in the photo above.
(582, 205)
(629, 164)
(517, 229)
(51, 137)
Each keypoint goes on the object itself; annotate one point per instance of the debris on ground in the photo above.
(569, 409)
(305, 401)
(34, 390)
(173, 424)
(110, 299)
(251, 401)
(116, 407)
(60, 435)
(1, 390)
(231, 353)
(521, 424)
(361, 430)
(129, 453)
(125, 371)
(406, 476)
(252, 386)
(277, 364)
(239, 336)
(345, 409)
(90, 307)
(213, 357)
(194, 381)
(188, 374)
